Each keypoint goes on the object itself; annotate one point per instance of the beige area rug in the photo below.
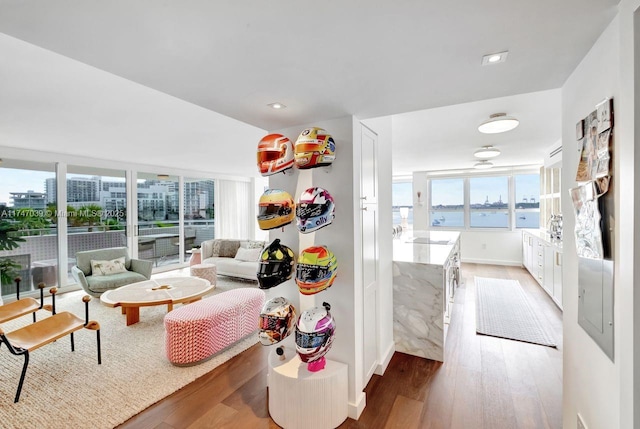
(70, 390)
(503, 310)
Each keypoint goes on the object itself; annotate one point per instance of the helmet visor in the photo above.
(311, 340)
(271, 267)
(268, 211)
(310, 273)
(271, 323)
(309, 147)
(268, 155)
(305, 211)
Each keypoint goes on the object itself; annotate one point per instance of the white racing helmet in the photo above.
(277, 318)
(314, 333)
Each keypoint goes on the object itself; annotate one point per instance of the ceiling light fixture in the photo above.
(498, 123)
(163, 176)
(276, 105)
(498, 57)
(487, 152)
(483, 165)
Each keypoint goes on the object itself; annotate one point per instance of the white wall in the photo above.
(592, 383)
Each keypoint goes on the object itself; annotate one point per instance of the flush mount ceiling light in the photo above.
(163, 176)
(276, 105)
(483, 165)
(498, 57)
(487, 152)
(498, 123)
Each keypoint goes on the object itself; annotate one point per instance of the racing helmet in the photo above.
(316, 270)
(314, 333)
(275, 154)
(277, 320)
(315, 209)
(276, 208)
(275, 265)
(314, 148)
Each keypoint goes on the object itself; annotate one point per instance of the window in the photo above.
(28, 243)
(485, 201)
(447, 203)
(402, 202)
(527, 203)
(489, 202)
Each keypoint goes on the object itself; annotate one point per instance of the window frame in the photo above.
(466, 177)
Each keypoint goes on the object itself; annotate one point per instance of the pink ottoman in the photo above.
(195, 332)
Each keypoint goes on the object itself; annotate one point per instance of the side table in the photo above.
(205, 271)
(302, 399)
(196, 256)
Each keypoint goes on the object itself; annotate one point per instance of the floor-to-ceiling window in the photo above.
(199, 211)
(28, 235)
(95, 210)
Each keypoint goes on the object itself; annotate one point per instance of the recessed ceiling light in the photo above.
(498, 123)
(498, 57)
(483, 165)
(276, 105)
(487, 152)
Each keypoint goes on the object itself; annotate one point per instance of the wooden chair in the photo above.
(24, 306)
(45, 331)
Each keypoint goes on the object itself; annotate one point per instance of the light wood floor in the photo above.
(486, 382)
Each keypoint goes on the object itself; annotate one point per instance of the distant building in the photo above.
(29, 200)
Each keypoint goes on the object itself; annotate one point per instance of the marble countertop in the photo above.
(542, 234)
(425, 247)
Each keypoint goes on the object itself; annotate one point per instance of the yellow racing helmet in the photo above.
(314, 148)
(316, 270)
(276, 208)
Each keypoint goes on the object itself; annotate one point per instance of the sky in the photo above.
(14, 180)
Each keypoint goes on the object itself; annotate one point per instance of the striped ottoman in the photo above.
(195, 332)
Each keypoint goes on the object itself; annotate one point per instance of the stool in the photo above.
(204, 271)
(195, 332)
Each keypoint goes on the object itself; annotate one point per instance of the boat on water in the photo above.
(435, 222)
(441, 219)
(522, 217)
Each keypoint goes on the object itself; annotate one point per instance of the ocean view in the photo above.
(479, 219)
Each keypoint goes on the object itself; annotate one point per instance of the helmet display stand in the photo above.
(317, 365)
(300, 398)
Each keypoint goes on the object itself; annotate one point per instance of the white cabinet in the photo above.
(543, 259)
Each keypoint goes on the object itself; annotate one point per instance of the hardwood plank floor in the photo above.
(485, 383)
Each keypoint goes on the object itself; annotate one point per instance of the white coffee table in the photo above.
(168, 290)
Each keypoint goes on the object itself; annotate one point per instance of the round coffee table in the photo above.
(168, 290)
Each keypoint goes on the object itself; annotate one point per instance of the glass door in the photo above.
(158, 225)
(28, 233)
(95, 210)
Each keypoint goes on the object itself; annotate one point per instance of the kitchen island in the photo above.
(426, 271)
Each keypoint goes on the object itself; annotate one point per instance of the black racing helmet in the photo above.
(276, 265)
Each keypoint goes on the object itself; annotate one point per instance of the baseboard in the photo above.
(493, 262)
(356, 409)
(382, 366)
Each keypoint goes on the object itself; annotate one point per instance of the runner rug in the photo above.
(65, 389)
(503, 310)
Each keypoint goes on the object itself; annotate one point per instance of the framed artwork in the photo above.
(604, 115)
(580, 129)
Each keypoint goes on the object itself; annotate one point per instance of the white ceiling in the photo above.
(328, 59)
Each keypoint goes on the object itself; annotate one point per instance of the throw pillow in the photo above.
(252, 244)
(250, 255)
(106, 268)
(228, 248)
(215, 250)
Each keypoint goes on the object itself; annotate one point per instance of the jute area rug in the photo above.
(503, 310)
(70, 390)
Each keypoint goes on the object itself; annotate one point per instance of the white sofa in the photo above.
(233, 258)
